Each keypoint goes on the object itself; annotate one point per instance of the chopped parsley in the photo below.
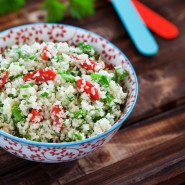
(45, 94)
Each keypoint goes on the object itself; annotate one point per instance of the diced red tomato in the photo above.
(3, 77)
(44, 53)
(108, 66)
(89, 88)
(75, 57)
(57, 114)
(40, 75)
(89, 65)
(36, 116)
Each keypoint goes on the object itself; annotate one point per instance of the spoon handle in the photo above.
(155, 22)
(136, 28)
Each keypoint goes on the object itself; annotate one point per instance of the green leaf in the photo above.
(31, 56)
(109, 98)
(86, 48)
(14, 77)
(73, 136)
(96, 76)
(24, 96)
(7, 50)
(11, 95)
(27, 136)
(16, 113)
(68, 78)
(120, 74)
(124, 75)
(1, 104)
(81, 8)
(26, 86)
(98, 109)
(79, 113)
(79, 136)
(101, 79)
(104, 80)
(70, 97)
(66, 75)
(10, 5)
(59, 57)
(55, 10)
(45, 94)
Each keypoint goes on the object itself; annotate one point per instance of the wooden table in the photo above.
(150, 147)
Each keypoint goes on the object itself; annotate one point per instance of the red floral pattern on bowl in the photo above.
(62, 152)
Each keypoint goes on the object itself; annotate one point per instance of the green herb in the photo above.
(102, 79)
(72, 73)
(16, 113)
(55, 10)
(79, 100)
(97, 109)
(124, 75)
(55, 45)
(7, 50)
(45, 94)
(24, 95)
(31, 56)
(27, 86)
(64, 121)
(8, 65)
(10, 5)
(70, 97)
(109, 98)
(27, 136)
(79, 113)
(79, 136)
(68, 78)
(73, 136)
(17, 133)
(86, 48)
(119, 74)
(81, 9)
(14, 77)
(1, 104)
(37, 139)
(18, 51)
(59, 57)
(95, 76)
(65, 75)
(97, 118)
(11, 95)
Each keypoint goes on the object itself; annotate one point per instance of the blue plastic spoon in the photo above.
(135, 26)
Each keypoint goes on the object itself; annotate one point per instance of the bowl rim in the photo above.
(73, 143)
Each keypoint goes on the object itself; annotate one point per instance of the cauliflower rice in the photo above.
(53, 92)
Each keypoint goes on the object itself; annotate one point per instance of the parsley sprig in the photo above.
(10, 6)
(78, 9)
(55, 8)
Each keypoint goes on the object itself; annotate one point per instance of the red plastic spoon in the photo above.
(155, 22)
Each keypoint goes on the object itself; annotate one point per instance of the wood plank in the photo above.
(148, 167)
(141, 137)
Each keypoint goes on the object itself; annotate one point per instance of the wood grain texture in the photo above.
(149, 149)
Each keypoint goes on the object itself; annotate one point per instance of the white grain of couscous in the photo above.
(53, 92)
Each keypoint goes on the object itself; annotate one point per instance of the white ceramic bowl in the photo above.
(61, 152)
